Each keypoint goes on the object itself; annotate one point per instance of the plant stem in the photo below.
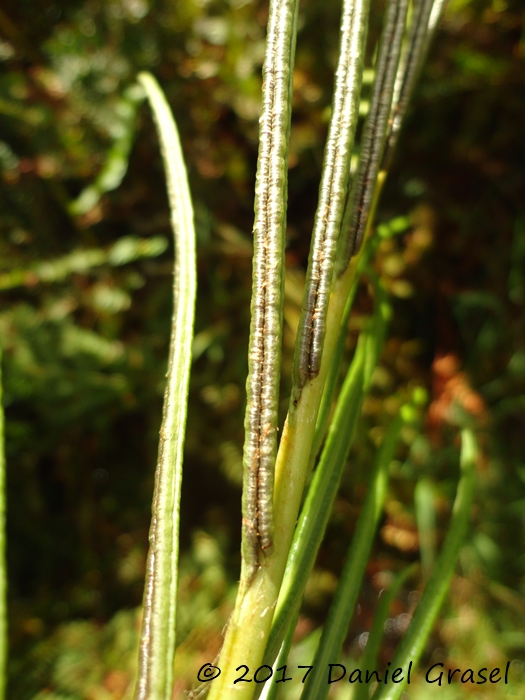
(361, 200)
(249, 627)
(412, 58)
(325, 482)
(316, 510)
(271, 690)
(323, 417)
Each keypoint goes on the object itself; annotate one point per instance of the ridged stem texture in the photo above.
(157, 640)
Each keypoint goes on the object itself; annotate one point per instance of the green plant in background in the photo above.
(3, 572)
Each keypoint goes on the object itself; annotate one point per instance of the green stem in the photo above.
(157, 642)
(281, 659)
(413, 643)
(321, 494)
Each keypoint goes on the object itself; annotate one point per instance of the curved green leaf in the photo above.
(157, 643)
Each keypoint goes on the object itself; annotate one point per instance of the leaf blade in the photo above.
(157, 643)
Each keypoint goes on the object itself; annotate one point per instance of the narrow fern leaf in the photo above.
(264, 358)
(409, 69)
(157, 642)
(333, 190)
(364, 187)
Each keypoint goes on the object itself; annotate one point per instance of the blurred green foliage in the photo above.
(85, 313)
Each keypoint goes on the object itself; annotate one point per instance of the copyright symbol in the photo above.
(208, 672)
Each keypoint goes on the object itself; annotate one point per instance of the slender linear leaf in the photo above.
(123, 251)
(426, 524)
(116, 164)
(333, 191)
(409, 68)
(264, 356)
(360, 206)
(157, 643)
